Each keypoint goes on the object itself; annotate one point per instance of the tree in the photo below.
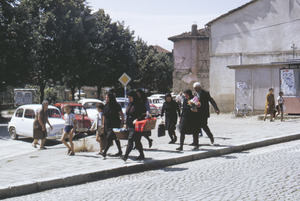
(112, 51)
(154, 69)
(59, 47)
(14, 45)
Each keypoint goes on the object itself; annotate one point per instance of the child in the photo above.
(98, 125)
(279, 106)
(70, 126)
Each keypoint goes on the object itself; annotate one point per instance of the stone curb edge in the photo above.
(52, 183)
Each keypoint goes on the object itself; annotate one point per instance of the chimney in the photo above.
(194, 30)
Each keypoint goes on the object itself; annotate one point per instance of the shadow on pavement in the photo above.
(161, 150)
(88, 156)
(47, 143)
(171, 169)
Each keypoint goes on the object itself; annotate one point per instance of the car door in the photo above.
(27, 122)
(17, 121)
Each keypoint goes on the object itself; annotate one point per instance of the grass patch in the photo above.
(8, 161)
(33, 156)
(83, 146)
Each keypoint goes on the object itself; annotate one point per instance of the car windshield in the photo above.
(79, 110)
(90, 105)
(53, 113)
(122, 104)
(157, 101)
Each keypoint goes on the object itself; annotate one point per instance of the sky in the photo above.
(156, 20)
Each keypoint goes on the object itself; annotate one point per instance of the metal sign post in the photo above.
(125, 79)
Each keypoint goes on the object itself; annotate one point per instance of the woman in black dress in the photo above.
(188, 120)
(134, 112)
(143, 98)
(111, 114)
(171, 108)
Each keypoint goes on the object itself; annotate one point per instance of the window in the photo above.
(19, 113)
(79, 110)
(53, 113)
(90, 105)
(29, 114)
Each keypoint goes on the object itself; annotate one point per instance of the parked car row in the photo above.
(85, 111)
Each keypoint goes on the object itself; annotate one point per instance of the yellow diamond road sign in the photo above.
(124, 79)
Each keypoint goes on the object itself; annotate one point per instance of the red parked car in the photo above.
(83, 121)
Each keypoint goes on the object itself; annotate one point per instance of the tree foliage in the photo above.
(46, 42)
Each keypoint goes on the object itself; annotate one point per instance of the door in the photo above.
(17, 121)
(27, 122)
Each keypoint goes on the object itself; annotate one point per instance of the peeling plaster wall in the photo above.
(263, 32)
(191, 64)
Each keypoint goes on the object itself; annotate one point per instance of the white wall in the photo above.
(263, 32)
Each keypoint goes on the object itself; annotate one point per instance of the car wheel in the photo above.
(13, 134)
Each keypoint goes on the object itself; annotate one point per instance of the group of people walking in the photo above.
(191, 121)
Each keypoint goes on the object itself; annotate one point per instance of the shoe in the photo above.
(172, 142)
(118, 154)
(34, 145)
(196, 147)
(142, 157)
(99, 153)
(193, 144)
(124, 158)
(150, 143)
(212, 140)
(103, 155)
(42, 148)
(179, 149)
(175, 139)
(72, 154)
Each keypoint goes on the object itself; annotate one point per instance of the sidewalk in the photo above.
(52, 168)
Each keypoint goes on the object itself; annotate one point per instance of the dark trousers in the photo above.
(204, 126)
(109, 139)
(134, 137)
(195, 139)
(172, 134)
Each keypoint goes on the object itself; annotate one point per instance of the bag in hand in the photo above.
(161, 130)
(145, 125)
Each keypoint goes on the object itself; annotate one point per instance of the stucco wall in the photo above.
(263, 32)
(256, 85)
(191, 64)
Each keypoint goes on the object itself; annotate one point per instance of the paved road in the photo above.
(269, 173)
(11, 148)
(3, 131)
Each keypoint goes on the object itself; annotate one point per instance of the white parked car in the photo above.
(162, 96)
(21, 123)
(90, 106)
(123, 102)
(158, 102)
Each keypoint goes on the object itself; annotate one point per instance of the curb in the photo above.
(56, 182)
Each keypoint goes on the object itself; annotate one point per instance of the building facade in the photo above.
(191, 59)
(249, 48)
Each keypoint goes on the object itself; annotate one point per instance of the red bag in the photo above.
(145, 125)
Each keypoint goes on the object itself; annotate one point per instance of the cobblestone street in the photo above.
(269, 173)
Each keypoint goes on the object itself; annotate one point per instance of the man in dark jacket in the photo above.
(204, 97)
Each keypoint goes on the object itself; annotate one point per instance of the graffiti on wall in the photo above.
(288, 82)
(243, 93)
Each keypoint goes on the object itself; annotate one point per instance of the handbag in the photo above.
(161, 130)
